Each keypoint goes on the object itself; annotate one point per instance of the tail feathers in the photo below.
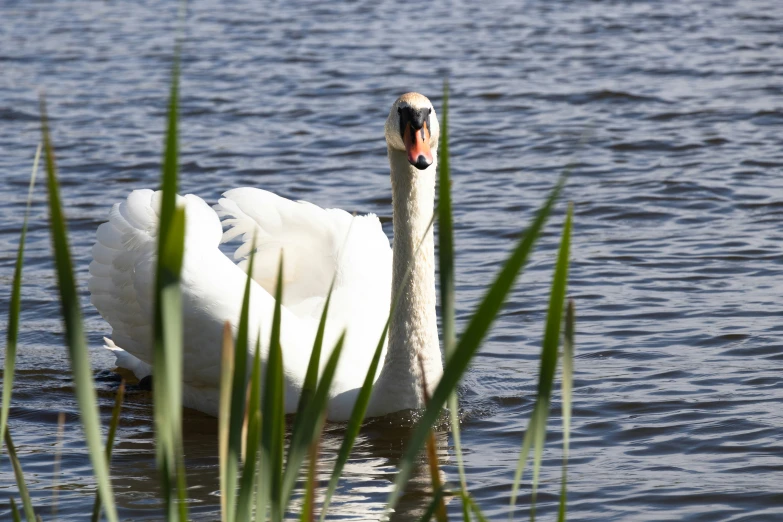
(122, 272)
(125, 360)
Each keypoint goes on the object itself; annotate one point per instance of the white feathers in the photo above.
(125, 360)
(315, 242)
(317, 246)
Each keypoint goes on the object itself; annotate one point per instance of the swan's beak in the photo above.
(417, 147)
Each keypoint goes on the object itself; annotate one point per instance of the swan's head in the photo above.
(413, 127)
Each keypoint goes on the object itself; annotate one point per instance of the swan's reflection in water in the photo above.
(361, 495)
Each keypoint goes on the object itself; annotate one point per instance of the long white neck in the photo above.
(413, 332)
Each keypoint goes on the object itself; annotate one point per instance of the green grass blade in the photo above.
(167, 357)
(446, 232)
(446, 267)
(237, 401)
(115, 419)
(554, 319)
(15, 308)
(303, 438)
(273, 426)
(167, 353)
(539, 439)
(240, 391)
(365, 392)
(549, 356)
(113, 424)
(27, 504)
(252, 442)
(74, 329)
(170, 152)
(226, 378)
(567, 387)
(527, 443)
(470, 341)
(14, 511)
(250, 477)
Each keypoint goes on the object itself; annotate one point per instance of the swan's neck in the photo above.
(413, 332)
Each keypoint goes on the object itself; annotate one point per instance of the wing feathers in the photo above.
(313, 240)
(121, 272)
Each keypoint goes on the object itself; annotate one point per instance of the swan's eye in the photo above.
(403, 112)
(416, 118)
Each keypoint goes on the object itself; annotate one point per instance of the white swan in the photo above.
(318, 243)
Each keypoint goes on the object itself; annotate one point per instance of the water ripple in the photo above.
(669, 120)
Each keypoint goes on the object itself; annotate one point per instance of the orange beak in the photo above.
(417, 146)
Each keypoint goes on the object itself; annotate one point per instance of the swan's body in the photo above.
(317, 244)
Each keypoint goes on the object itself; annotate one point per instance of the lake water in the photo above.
(671, 115)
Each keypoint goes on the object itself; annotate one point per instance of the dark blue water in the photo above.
(670, 114)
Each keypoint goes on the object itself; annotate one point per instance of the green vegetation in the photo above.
(256, 480)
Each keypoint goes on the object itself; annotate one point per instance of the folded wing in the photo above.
(317, 245)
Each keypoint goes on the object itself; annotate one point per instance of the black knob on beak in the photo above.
(422, 162)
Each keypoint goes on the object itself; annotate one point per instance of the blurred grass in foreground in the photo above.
(256, 480)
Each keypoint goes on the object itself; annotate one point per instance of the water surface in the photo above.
(669, 113)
